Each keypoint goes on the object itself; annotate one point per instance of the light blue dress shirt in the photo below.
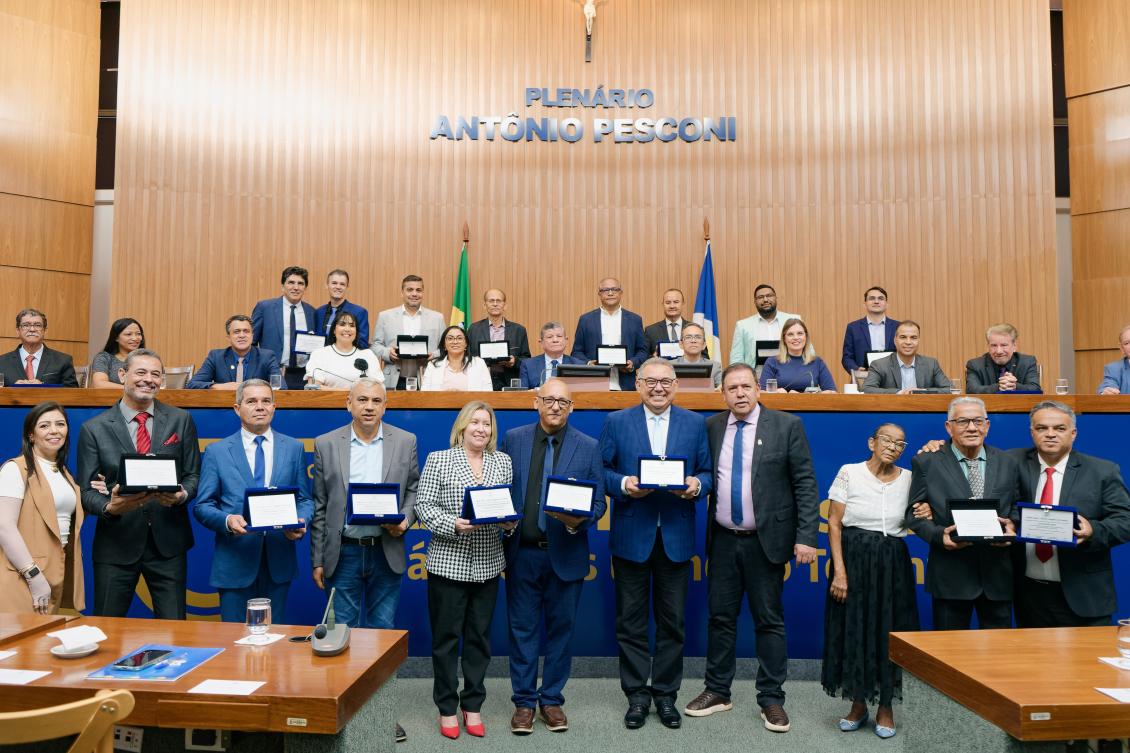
(909, 382)
(366, 466)
(36, 358)
(878, 334)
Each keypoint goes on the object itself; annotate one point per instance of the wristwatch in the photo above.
(30, 572)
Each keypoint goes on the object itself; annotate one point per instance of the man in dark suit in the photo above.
(652, 538)
(337, 283)
(227, 368)
(1069, 586)
(496, 328)
(546, 563)
(139, 534)
(252, 564)
(276, 323)
(612, 325)
(874, 332)
(33, 362)
(1002, 369)
(963, 577)
(670, 327)
(763, 511)
(534, 371)
(906, 370)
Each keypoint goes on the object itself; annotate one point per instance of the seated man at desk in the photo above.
(534, 371)
(33, 362)
(1116, 374)
(694, 351)
(1002, 369)
(227, 368)
(906, 371)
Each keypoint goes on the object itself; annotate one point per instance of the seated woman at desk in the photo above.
(455, 369)
(337, 366)
(797, 368)
(39, 512)
(126, 336)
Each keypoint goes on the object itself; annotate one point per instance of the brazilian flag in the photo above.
(461, 301)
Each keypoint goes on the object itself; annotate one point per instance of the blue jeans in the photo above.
(365, 585)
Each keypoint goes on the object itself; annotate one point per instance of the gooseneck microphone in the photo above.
(330, 639)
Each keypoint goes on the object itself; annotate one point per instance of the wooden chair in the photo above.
(176, 377)
(92, 719)
(82, 373)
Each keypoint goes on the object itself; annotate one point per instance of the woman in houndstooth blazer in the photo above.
(463, 563)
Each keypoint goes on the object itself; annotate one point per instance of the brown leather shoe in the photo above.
(707, 703)
(554, 718)
(522, 723)
(775, 718)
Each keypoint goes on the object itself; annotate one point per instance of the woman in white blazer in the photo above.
(455, 369)
(463, 563)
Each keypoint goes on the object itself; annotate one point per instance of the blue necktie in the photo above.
(330, 320)
(260, 473)
(293, 335)
(546, 470)
(552, 369)
(736, 475)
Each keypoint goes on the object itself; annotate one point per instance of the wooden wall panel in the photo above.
(902, 144)
(63, 296)
(1089, 365)
(1099, 151)
(45, 234)
(1094, 45)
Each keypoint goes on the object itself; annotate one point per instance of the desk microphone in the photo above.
(361, 365)
(811, 383)
(330, 639)
(314, 374)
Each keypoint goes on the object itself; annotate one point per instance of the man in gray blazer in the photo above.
(410, 318)
(364, 562)
(906, 371)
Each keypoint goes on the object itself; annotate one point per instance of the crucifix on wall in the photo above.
(590, 16)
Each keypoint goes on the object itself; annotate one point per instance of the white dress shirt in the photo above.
(610, 334)
(300, 322)
(268, 451)
(1033, 568)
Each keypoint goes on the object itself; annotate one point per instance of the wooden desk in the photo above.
(303, 693)
(1032, 684)
(15, 626)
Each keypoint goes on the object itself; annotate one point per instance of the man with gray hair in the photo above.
(32, 362)
(252, 564)
(145, 533)
(552, 338)
(962, 577)
(1002, 369)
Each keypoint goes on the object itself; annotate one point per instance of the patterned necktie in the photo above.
(976, 480)
(736, 483)
(144, 442)
(29, 370)
(546, 470)
(260, 473)
(1044, 552)
(239, 371)
(674, 333)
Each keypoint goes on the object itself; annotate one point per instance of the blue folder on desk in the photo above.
(180, 662)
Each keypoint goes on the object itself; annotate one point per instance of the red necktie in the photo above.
(1044, 551)
(143, 441)
(30, 368)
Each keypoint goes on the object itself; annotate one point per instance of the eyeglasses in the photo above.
(28, 326)
(556, 402)
(693, 338)
(961, 423)
(664, 383)
(896, 443)
(602, 291)
(454, 338)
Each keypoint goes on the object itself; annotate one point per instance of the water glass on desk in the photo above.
(770, 385)
(411, 383)
(1, 379)
(1124, 638)
(258, 617)
(276, 381)
(1061, 386)
(955, 386)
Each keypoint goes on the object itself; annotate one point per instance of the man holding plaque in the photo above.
(144, 533)
(612, 325)
(548, 559)
(277, 323)
(411, 319)
(509, 338)
(764, 511)
(1068, 586)
(669, 329)
(656, 466)
(254, 555)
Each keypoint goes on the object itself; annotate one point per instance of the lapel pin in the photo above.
(759, 442)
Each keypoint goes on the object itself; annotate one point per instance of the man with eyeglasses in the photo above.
(652, 538)
(670, 327)
(875, 332)
(763, 326)
(963, 577)
(546, 563)
(694, 351)
(33, 362)
(497, 328)
(612, 324)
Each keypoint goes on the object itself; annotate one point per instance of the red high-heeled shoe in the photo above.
(478, 730)
(452, 732)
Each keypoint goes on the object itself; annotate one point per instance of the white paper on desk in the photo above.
(568, 496)
(272, 510)
(5, 654)
(380, 505)
(1122, 695)
(260, 640)
(227, 687)
(20, 676)
(662, 472)
(77, 637)
(305, 342)
(977, 522)
(1116, 661)
(492, 503)
(151, 472)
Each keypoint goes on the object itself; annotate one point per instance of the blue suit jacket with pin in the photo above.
(579, 458)
(635, 521)
(224, 477)
(219, 367)
(532, 369)
(267, 323)
(857, 342)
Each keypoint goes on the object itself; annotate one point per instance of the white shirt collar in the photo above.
(664, 416)
(1059, 467)
(404, 310)
(249, 438)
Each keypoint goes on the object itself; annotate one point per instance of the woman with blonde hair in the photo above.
(797, 368)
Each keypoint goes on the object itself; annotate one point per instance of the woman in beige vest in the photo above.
(40, 519)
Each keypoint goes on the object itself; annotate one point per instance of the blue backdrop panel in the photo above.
(835, 438)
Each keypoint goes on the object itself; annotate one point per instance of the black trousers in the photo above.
(165, 577)
(1041, 603)
(661, 585)
(460, 610)
(739, 568)
(956, 614)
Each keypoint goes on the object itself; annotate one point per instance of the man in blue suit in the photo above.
(337, 283)
(1116, 374)
(227, 368)
(876, 331)
(612, 325)
(534, 371)
(251, 564)
(546, 563)
(652, 539)
(276, 323)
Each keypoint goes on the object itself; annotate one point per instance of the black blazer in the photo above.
(516, 339)
(1095, 487)
(54, 368)
(982, 373)
(120, 539)
(786, 501)
(974, 570)
(658, 332)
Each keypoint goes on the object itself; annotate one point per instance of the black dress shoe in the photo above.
(636, 716)
(668, 714)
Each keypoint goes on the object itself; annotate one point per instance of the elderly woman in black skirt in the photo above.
(872, 591)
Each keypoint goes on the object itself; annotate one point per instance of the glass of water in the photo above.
(770, 385)
(411, 383)
(1061, 386)
(1124, 638)
(955, 386)
(258, 618)
(276, 381)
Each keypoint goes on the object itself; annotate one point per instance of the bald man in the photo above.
(496, 328)
(611, 324)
